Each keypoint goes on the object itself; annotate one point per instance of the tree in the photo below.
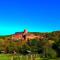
(56, 47)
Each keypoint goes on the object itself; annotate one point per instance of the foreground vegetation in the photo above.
(23, 57)
(47, 48)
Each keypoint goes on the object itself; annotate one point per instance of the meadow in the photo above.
(18, 57)
(22, 57)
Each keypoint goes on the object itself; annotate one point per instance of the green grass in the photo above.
(20, 57)
(15, 57)
(5, 57)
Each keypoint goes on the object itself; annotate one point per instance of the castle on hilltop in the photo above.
(25, 35)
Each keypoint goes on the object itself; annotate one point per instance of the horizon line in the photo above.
(31, 32)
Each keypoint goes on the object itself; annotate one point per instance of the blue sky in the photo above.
(33, 15)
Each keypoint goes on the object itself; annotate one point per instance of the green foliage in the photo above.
(50, 53)
(43, 46)
(56, 47)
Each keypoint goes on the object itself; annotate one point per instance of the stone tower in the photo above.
(25, 34)
(25, 31)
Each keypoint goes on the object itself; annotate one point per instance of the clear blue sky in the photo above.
(33, 15)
